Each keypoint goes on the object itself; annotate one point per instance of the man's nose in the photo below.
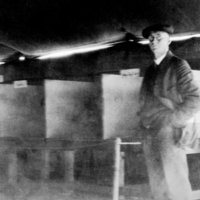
(153, 41)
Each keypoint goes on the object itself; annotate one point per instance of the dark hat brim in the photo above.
(157, 27)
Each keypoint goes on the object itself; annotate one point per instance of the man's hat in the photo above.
(157, 27)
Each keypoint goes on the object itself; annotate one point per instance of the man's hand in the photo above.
(156, 114)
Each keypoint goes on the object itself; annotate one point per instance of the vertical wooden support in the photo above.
(12, 168)
(69, 165)
(122, 172)
(46, 167)
(116, 169)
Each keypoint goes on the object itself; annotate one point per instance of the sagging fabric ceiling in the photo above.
(33, 26)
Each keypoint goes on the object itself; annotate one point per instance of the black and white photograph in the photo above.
(99, 100)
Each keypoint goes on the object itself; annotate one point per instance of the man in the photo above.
(169, 100)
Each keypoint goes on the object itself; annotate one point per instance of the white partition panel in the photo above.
(73, 110)
(197, 117)
(22, 110)
(120, 105)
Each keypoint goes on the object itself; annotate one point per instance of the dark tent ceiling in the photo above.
(33, 26)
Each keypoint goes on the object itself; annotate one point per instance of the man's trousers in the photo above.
(166, 165)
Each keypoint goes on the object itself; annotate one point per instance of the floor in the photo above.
(54, 190)
(58, 190)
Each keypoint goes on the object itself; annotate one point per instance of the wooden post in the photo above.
(69, 165)
(12, 168)
(116, 169)
(46, 166)
(122, 173)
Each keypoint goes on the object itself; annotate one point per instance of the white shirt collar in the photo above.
(159, 60)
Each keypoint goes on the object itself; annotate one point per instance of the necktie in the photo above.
(155, 72)
(155, 65)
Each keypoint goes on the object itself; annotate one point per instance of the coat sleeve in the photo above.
(189, 95)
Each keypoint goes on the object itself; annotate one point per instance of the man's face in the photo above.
(159, 42)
